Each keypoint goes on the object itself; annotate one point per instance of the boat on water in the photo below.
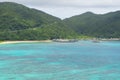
(65, 40)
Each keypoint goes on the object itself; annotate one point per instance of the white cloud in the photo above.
(69, 3)
(66, 8)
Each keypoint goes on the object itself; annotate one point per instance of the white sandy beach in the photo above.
(12, 42)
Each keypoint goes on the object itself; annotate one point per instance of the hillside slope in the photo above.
(18, 22)
(90, 24)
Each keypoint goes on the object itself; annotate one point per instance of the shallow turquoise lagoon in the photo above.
(83, 60)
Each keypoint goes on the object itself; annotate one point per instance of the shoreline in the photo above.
(48, 41)
(37, 41)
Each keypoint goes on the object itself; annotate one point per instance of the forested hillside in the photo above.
(96, 25)
(18, 22)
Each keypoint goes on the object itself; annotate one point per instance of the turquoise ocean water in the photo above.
(83, 60)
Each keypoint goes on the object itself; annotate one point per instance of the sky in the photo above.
(67, 8)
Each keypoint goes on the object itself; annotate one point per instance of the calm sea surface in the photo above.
(83, 60)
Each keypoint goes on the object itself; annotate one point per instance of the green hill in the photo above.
(96, 25)
(18, 22)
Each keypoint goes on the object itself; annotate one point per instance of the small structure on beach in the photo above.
(65, 40)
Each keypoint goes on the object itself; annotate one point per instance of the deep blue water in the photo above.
(83, 60)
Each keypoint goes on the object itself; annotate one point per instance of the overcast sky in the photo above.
(68, 8)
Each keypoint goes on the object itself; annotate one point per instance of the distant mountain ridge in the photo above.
(97, 25)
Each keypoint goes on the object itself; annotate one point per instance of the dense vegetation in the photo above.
(18, 22)
(90, 24)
